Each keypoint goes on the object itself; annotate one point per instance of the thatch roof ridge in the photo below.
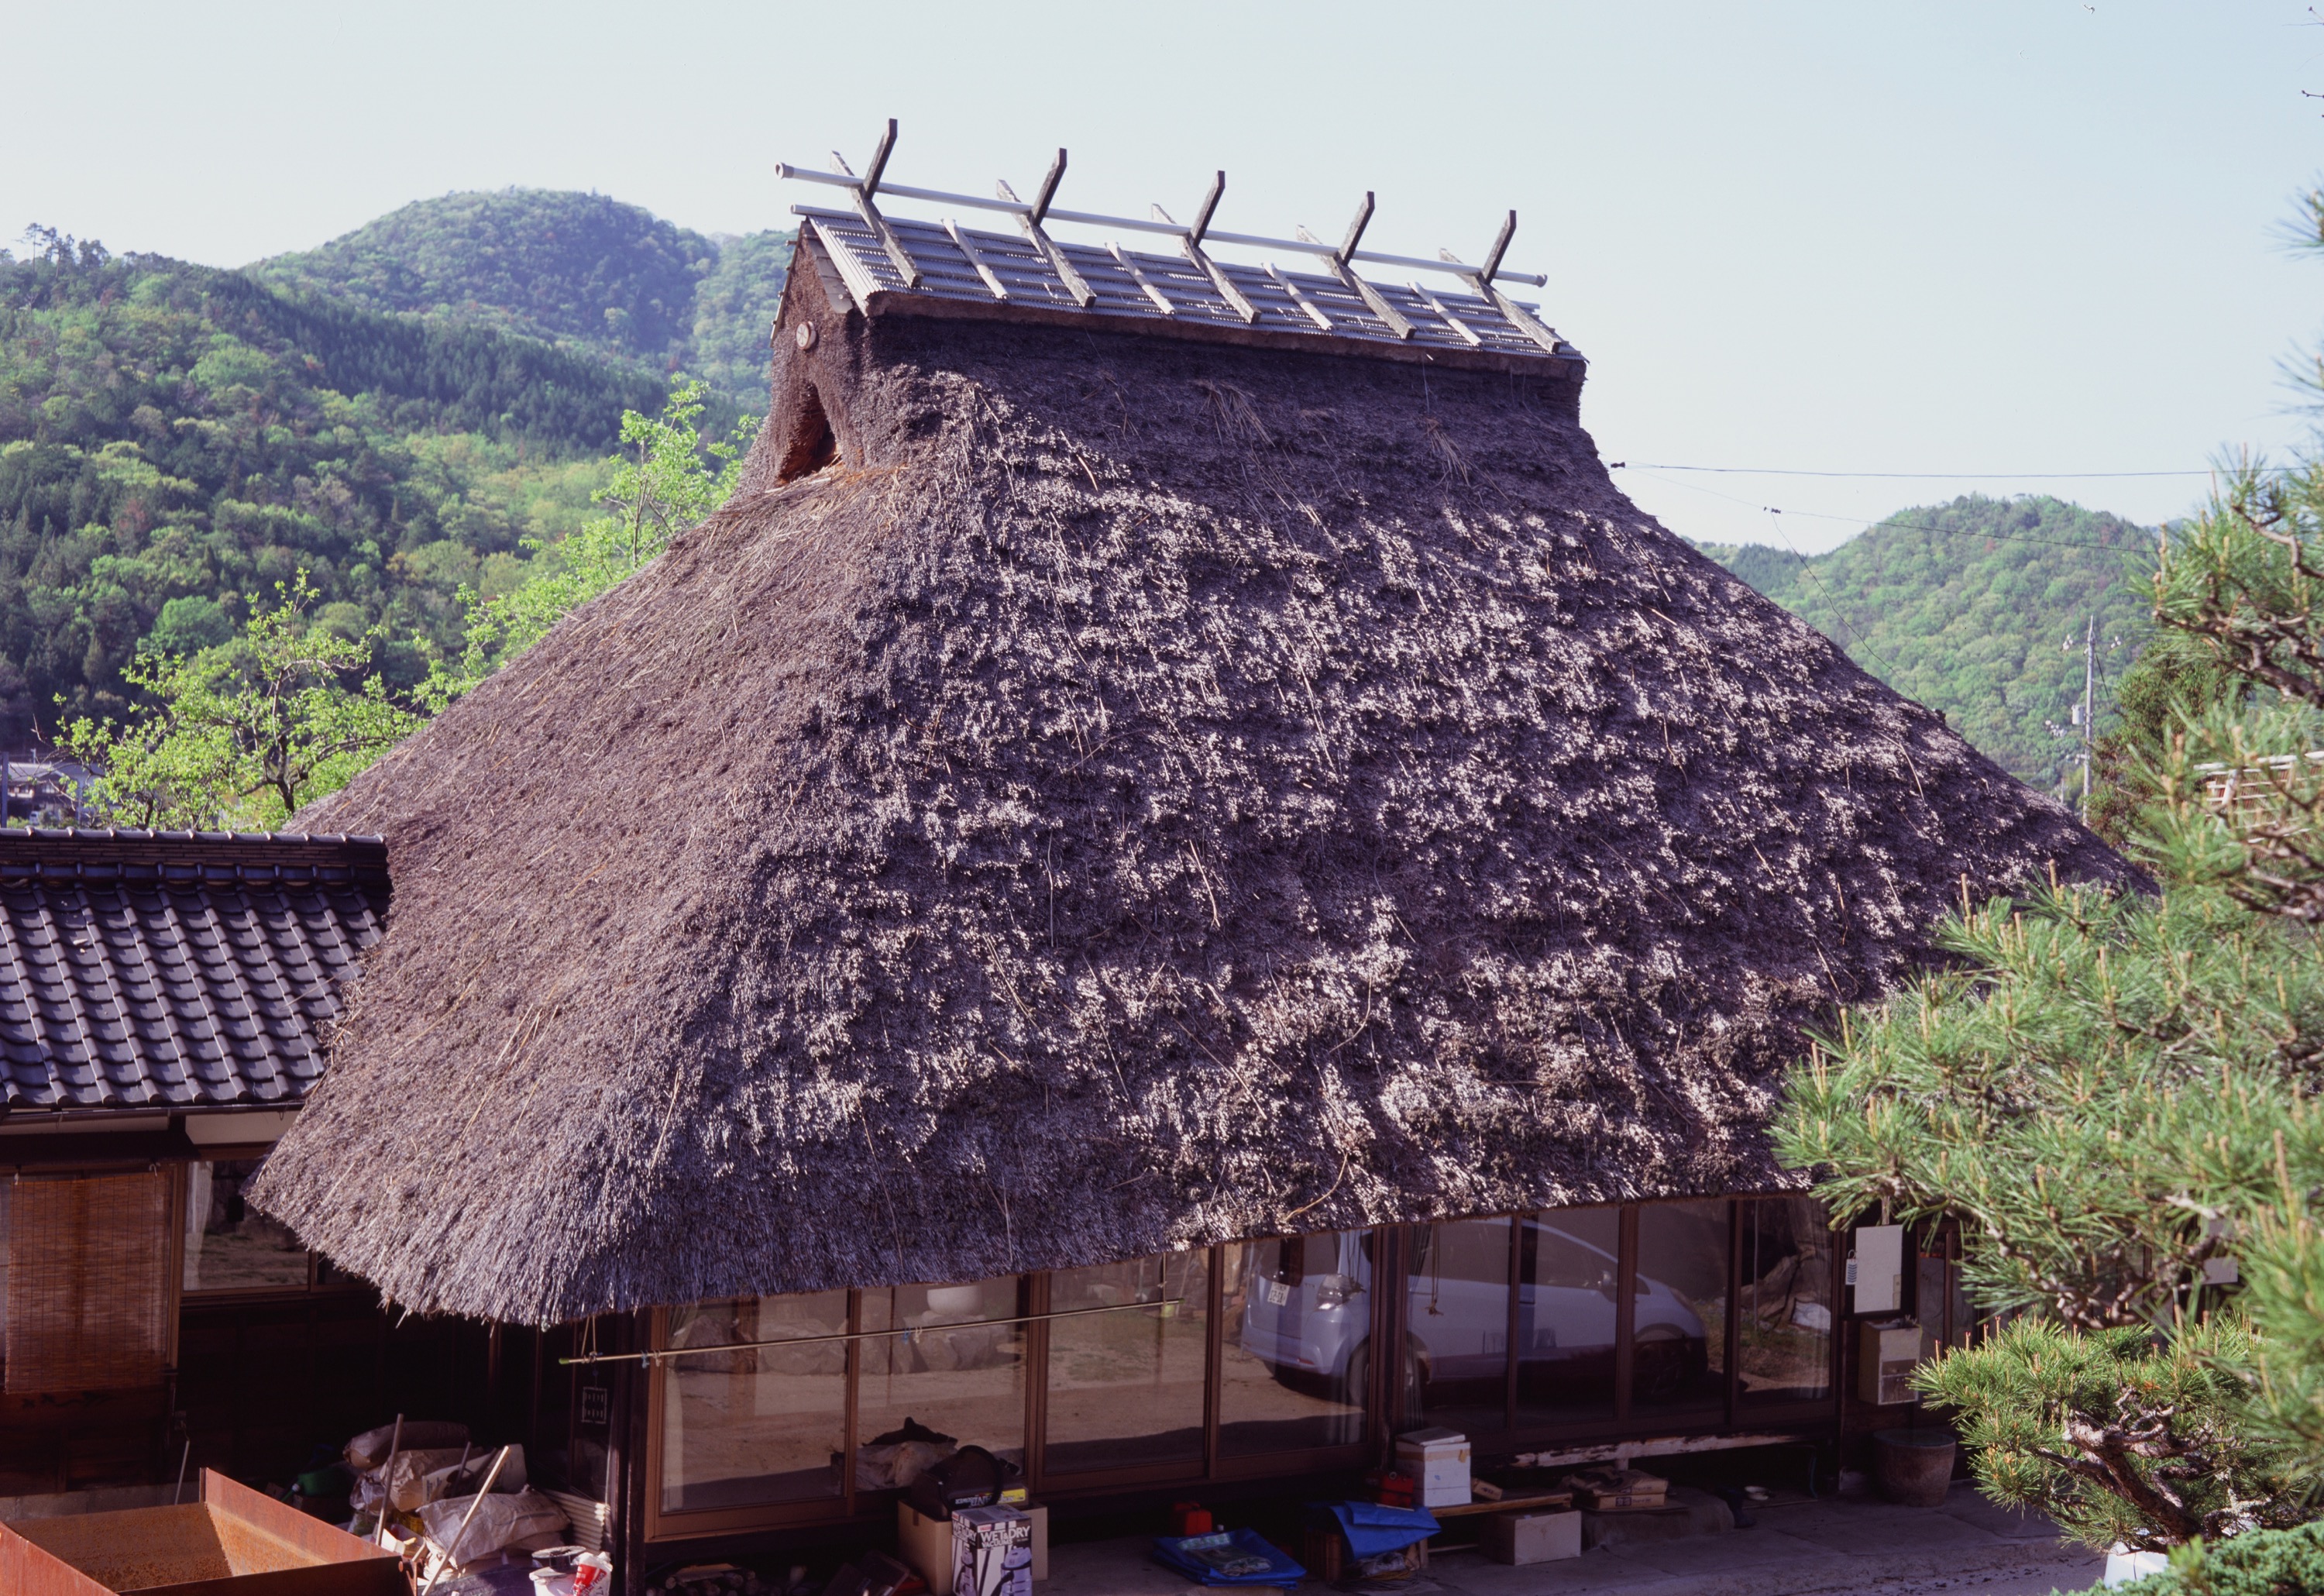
(1142, 795)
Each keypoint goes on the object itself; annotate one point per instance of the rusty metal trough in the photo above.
(234, 1542)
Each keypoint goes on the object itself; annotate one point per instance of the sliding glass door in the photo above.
(1253, 1359)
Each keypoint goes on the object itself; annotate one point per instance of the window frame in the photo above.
(238, 1153)
(1386, 1403)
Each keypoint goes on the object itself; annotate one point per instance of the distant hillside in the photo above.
(175, 439)
(1966, 606)
(576, 268)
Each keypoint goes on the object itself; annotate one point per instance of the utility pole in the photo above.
(2085, 715)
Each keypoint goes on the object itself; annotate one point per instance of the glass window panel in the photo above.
(755, 1426)
(1568, 1263)
(1296, 1362)
(1965, 1318)
(1126, 1384)
(229, 1247)
(1457, 1323)
(1947, 1320)
(960, 1373)
(1785, 1327)
(1679, 1308)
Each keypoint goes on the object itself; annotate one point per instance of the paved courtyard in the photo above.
(1797, 1549)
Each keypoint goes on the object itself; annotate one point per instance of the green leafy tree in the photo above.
(2120, 1435)
(2115, 1095)
(1962, 606)
(247, 732)
(666, 481)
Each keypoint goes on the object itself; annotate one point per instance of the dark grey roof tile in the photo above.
(157, 968)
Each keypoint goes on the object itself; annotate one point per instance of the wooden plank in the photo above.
(1508, 1504)
(1517, 318)
(1390, 317)
(1084, 295)
(1076, 284)
(1316, 312)
(1526, 360)
(1337, 264)
(1000, 290)
(1468, 333)
(1161, 300)
(906, 267)
(1227, 291)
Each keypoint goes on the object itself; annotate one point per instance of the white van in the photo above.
(1309, 1316)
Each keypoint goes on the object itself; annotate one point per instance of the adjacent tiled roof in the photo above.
(177, 969)
(1010, 275)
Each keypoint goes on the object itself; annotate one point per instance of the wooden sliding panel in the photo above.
(1128, 1372)
(1568, 1327)
(1786, 1305)
(1680, 1348)
(1297, 1350)
(1459, 1312)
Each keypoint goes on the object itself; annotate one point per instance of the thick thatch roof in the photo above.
(1141, 792)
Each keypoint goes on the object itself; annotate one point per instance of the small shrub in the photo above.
(2264, 1563)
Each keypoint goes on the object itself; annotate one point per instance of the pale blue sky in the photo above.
(2032, 235)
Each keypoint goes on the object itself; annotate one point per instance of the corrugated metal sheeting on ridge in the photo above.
(1002, 268)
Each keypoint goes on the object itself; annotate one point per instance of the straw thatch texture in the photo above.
(1142, 794)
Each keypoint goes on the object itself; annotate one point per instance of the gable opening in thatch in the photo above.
(810, 443)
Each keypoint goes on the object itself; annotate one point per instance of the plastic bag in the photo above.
(412, 1471)
(460, 1479)
(367, 1450)
(524, 1522)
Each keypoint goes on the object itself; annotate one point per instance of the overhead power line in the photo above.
(1926, 475)
(1862, 522)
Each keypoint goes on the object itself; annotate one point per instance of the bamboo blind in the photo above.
(88, 1262)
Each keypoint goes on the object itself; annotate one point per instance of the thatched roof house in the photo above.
(1122, 778)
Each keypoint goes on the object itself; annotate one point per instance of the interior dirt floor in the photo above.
(1797, 1548)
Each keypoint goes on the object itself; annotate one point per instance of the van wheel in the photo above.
(1360, 1376)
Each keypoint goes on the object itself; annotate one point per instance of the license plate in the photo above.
(1275, 1292)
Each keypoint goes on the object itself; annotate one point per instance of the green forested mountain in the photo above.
(396, 413)
(175, 439)
(1967, 607)
(578, 269)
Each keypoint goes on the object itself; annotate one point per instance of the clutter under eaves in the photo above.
(450, 1506)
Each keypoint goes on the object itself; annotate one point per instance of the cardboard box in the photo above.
(1616, 1490)
(1439, 1461)
(1533, 1537)
(926, 1544)
(1886, 1351)
(991, 1552)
